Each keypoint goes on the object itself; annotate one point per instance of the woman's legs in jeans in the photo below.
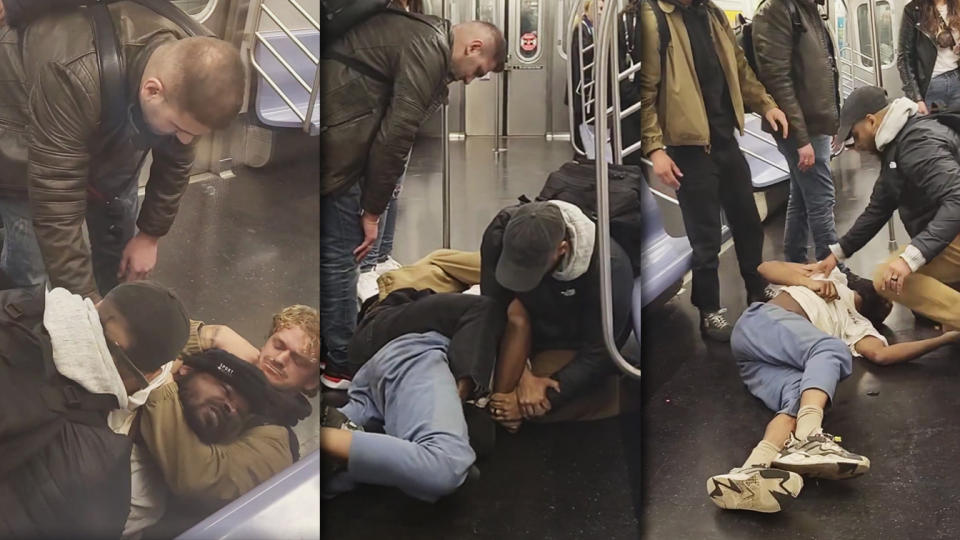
(944, 91)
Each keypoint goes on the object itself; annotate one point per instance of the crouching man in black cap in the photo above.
(67, 365)
(540, 262)
(920, 176)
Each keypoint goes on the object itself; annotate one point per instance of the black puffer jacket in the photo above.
(920, 176)
(799, 71)
(916, 53)
(565, 314)
(368, 126)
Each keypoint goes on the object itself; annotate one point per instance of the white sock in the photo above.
(809, 420)
(763, 454)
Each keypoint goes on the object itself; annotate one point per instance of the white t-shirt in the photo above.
(947, 59)
(839, 318)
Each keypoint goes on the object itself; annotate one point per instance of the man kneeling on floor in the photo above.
(408, 391)
(792, 351)
(540, 263)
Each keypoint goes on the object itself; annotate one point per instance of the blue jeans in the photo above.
(110, 225)
(944, 90)
(407, 392)
(811, 202)
(383, 246)
(780, 354)
(340, 233)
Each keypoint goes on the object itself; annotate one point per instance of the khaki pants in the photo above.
(443, 270)
(926, 291)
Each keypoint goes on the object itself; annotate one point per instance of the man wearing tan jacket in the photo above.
(690, 109)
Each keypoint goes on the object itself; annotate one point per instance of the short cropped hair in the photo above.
(207, 80)
(304, 317)
(499, 45)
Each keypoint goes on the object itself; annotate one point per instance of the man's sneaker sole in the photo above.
(757, 490)
(829, 467)
(334, 383)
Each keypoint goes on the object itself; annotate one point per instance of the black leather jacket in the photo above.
(920, 176)
(916, 53)
(368, 126)
(799, 71)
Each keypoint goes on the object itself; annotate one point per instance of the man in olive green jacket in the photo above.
(52, 144)
(690, 108)
(380, 81)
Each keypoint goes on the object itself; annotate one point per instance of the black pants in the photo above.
(711, 181)
(473, 323)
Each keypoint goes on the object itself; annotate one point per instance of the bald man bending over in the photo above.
(53, 144)
(381, 80)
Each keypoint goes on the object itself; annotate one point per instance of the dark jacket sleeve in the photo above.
(422, 71)
(22, 12)
(927, 157)
(883, 202)
(773, 44)
(592, 362)
(169, 176)
(907, 54)
(490, 248)
(64, 116)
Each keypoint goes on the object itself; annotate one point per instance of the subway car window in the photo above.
(863, 29)
(885, 37)
(531, 17)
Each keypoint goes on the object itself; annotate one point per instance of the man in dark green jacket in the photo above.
(53, 145)
(796, 63)
(380, 81)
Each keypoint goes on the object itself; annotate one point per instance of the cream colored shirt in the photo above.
(839, 318)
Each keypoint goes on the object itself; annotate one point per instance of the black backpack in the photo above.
(35, 398)
(575, 183)
(745, 32)
(339, 16)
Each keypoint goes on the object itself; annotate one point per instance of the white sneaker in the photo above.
(367, 285)
(754, 488)
(386, 266)
(819, 456)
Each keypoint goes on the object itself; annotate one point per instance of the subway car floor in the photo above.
(603, 479)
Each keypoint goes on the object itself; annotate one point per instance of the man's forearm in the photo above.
(909, 350)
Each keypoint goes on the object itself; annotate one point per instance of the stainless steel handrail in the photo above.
(571, 28)
(314, 89)
(606, 38)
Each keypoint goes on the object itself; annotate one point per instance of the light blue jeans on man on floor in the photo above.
(405, 397)
(780, 354)
(811, 202)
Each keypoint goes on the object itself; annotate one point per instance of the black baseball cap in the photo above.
(861, 102)
(244, 377)
(530, 241)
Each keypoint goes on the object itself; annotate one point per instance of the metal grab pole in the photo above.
(878, 74)
(571, 28)
(602, 49)
(445, 146)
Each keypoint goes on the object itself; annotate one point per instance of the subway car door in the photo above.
(529, 37)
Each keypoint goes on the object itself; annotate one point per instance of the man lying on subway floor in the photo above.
(101, 424)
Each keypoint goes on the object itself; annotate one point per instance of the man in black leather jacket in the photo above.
(379, 82)
(920, 176)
